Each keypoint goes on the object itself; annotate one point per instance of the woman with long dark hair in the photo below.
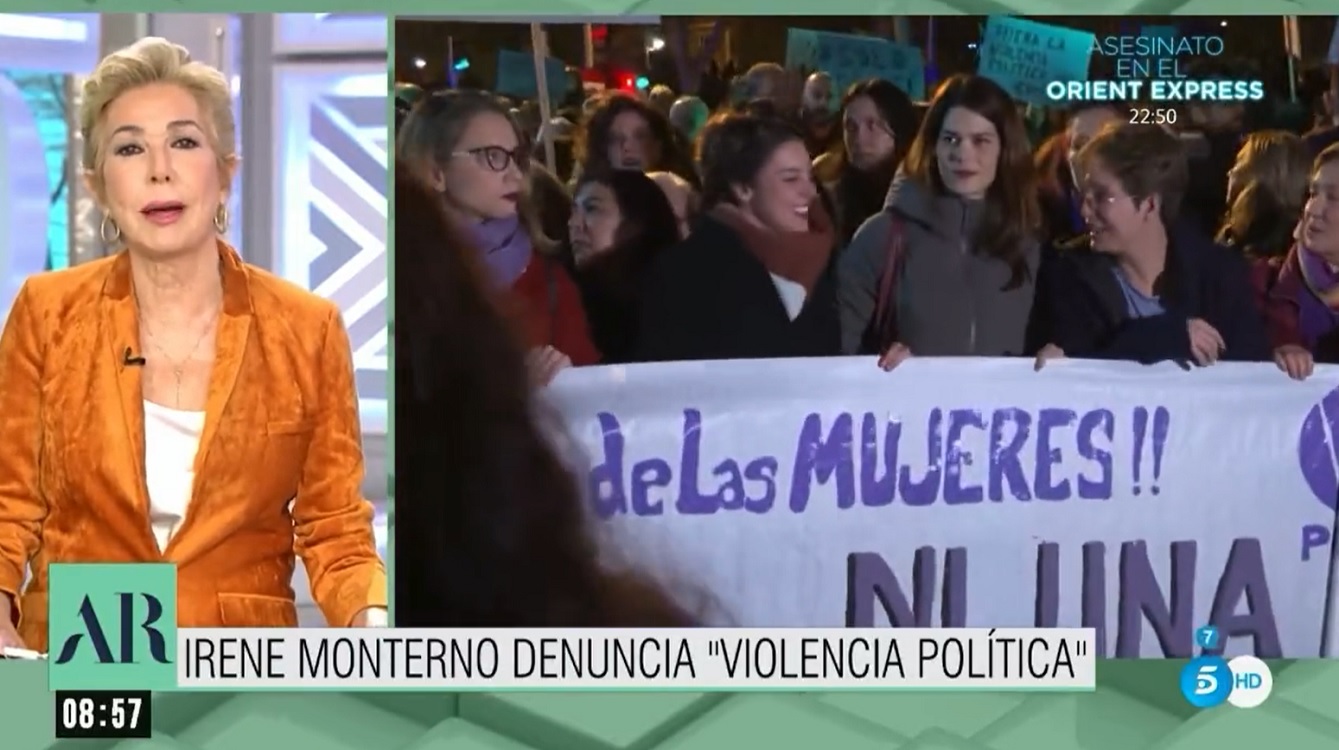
(878, 124)
(949, 267)
(490, 526)
(622, 132)
(621, 221)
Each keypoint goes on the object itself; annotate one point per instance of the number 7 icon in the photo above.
(1207, 637)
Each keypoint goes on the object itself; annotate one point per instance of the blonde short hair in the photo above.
(153, 60)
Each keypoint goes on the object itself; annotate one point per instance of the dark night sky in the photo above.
(1258, 39)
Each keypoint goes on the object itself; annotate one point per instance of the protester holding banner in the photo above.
(1133, 289)
(878, 124)
(948, 268)
(491, 528)
(1300, 292)
(466, 147)
(621, 223)
(754, 280)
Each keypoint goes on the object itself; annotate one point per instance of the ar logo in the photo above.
(112, 625)
(97, 636)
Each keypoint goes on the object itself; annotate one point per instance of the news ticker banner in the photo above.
(113, 635)
(113, 627)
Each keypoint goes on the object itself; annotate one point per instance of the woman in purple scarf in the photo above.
(469, 151)
(1299, 294)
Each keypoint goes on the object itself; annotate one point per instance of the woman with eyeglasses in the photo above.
(1142, 286)
(467, 148)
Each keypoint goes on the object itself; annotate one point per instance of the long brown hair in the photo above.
(490, 525)
(862, 194)
(591, 146)
(1269, 188)
(1012, 214)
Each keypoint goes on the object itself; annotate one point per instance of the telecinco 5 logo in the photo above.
(1209, 680)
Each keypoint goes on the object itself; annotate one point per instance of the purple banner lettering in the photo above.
(1241, 606)
(1051, 455)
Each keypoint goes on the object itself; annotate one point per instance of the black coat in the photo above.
(709, 298)
(1083, 311)
(612, 322)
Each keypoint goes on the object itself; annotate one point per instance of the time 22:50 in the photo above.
(1148, 116)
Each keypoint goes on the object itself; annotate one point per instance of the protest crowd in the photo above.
(770, 215)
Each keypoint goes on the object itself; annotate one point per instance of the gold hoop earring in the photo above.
(102, 230)
(221, 219)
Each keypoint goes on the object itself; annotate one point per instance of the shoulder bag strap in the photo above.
(885, 312)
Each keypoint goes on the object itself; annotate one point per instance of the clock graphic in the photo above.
(104, 714)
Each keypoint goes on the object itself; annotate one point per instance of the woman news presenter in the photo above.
(170, 403)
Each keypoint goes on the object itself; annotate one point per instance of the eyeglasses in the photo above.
(497, 158)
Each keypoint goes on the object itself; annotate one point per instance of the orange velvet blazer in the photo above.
(281, 426)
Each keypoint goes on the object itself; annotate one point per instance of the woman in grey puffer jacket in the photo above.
(949, 267)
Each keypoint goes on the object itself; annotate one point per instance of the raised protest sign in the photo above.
(516, 76)
(1142, 501)
(849, 58)
(1023, 56)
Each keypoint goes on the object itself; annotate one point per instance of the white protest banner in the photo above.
(1141, 501)
(1023, 56)
(849, 59)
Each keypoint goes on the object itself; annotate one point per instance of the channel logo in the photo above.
(1209, 680)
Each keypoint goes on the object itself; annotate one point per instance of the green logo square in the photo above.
(112, 626)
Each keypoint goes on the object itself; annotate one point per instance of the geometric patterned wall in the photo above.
(329, 169)
(332, 205)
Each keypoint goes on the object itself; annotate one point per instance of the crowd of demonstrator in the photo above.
(775, 228)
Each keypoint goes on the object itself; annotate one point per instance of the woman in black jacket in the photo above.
(755, 277)
(1133, 289)
(621, 221)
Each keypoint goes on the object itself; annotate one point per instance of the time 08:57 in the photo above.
(103, 714)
